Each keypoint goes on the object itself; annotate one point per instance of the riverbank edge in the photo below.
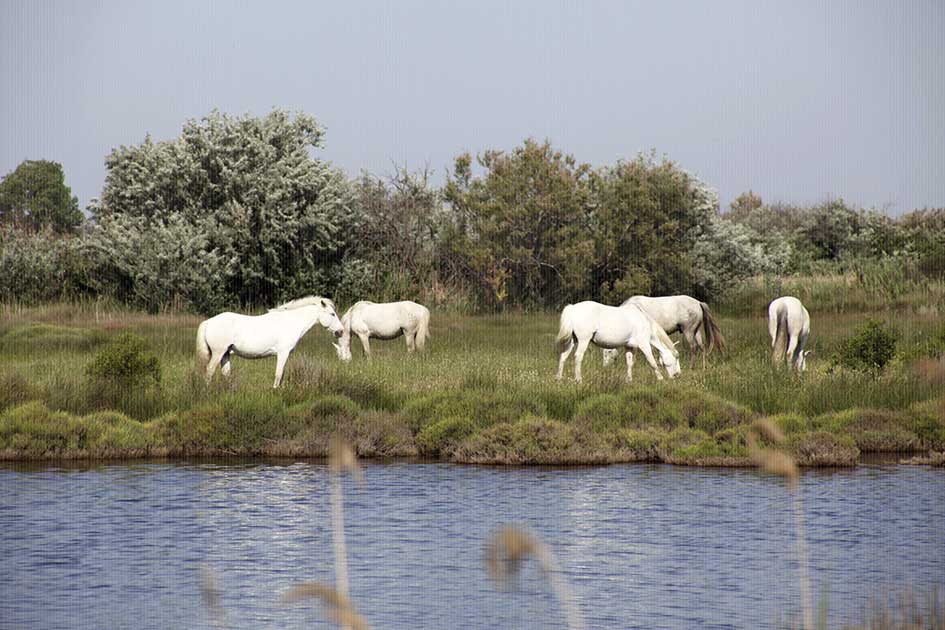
(910, 458)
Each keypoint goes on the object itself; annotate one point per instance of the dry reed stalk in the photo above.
(782, 464)
(210, 593)
(339, 607)
(341, 458)
(508, 549)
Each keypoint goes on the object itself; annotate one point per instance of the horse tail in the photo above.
(713, 335)
(423, 329)
(779, 345)
(203, 350)
(565, 330)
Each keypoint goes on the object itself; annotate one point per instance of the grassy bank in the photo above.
(483, 392)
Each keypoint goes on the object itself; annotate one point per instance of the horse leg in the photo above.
(694, 341)
(365, 344)
(791, 350)
(411, 340)
(281, 358)
(564, 357)
(579, 357)
(648, 353)
(225, 364)
(700, 341)
(212, 364)
(629, 365)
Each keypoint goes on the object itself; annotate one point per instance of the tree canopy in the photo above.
(35, 197)
(276, 218)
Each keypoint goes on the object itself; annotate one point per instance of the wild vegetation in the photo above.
(240, 213)
(94, 379)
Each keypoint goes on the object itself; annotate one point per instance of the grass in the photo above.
(482, 392)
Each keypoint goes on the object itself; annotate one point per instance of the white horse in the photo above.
(383, 321)
(626, 327)
(789, 327)
(253, 337)
(680, 313)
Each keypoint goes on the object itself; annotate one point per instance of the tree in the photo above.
(743, 206)
(647, 219)
(35, 197)
(520, 232)
(278, 219)
(399, 220)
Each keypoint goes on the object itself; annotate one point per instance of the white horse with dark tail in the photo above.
(613, 327)
(254, 337)
(789, 327)
(368, 320)
(681, 313)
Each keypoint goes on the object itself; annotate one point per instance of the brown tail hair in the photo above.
(713, 335)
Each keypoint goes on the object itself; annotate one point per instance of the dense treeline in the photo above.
(237, 212)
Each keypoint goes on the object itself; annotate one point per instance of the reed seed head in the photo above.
(341, 458)
(770, 430)
(338, 606)
(508, 549)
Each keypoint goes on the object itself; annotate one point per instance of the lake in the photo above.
(119, 545)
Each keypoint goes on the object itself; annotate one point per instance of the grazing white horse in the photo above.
(789, 327)
(626, 327)
(253, 337)
(680, 313)
(383, 321)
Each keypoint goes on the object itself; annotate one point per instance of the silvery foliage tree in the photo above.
(726, 253)
(235, 210)
(41, 266)
(157, 264)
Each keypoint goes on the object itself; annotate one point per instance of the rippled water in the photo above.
(118, 546)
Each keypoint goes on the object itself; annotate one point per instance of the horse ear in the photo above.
(808, 352)
(324, 305)
(675, 343)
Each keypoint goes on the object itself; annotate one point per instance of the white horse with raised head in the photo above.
(613, 327)
(369, 321)
(680, 313)
(789, 327)
(254, 337)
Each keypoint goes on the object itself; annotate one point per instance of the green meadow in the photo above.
(483, 392)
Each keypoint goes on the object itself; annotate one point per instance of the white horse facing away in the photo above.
(680, 313)
(626, 327)
(384, 321)
(789, 327)
(254, 337)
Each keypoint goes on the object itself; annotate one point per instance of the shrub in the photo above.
(443, 436)
(870, 347)
(820, 448)
(483, 408)
(126, 360)
(872, 430)
(531, 440)
(927, 420)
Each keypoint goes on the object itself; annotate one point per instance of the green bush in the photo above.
(870, 347)
(443, 436)
(126, 360)
(873, 430)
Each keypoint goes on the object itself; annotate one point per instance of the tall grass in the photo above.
(482, 391)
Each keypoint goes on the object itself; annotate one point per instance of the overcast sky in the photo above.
(798, 101)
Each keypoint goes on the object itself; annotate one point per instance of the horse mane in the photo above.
(308, 300)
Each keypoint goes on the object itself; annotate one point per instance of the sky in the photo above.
(797, 101)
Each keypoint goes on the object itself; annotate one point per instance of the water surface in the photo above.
(643, 546)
